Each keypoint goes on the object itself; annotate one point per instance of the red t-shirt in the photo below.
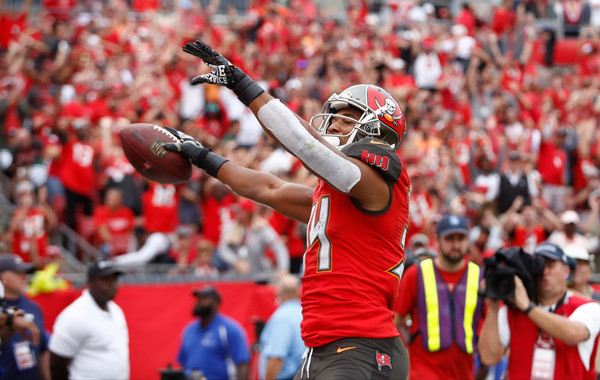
(355, 258)
(160, 208)
(77, 171)
(452, 363)
(552, 163)
(33, 226)
(120, 224)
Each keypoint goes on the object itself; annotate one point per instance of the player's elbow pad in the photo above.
(339, 172)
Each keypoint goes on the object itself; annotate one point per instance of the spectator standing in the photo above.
(215, 344)
(582, 272)
(114, 224)
(245, 239)
(90, 339)
(30, 224)
(20, 358)
(568, 233)
(358, 210)
(513, 182)
(281, 344)
(78, 171)
(553, 336)
(427, 66)
(552, 165)
(441, 296)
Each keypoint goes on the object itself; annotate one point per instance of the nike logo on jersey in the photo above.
(340, 349)
(379, 142)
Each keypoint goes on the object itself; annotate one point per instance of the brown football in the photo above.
(143, 145)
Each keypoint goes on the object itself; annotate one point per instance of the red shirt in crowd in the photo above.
(120, 224)
(77, 171)
(160, 208)
(552, 163)
(503, 20)
(11, 26)
(32, 230)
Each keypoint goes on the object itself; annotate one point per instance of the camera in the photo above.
(501, 268)
(500, 283)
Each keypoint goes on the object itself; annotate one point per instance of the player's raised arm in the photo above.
(353, 120)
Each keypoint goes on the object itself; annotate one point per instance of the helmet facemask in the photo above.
(367, 126)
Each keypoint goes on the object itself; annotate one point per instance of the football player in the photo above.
(357, 216)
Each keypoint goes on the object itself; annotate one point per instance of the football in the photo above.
(143, 145)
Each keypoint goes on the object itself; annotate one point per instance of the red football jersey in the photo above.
(31, 230)
(355, 258)
(77, 170)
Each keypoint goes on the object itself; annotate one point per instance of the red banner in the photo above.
(157, 313)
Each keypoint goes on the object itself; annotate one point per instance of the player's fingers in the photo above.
(173, 147)
(173, 131)
(199, 80)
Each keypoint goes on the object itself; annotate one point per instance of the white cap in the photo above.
(397, 64)
(569, 216)
(577, 252)
(458, 30)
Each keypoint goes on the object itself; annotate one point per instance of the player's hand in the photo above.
(220, 67)
(223, 72)
(188, 146)
(198, 154)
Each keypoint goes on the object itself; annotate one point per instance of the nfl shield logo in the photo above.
(157, 148)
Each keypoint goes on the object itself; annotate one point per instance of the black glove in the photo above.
(223, 73)
(197, 153)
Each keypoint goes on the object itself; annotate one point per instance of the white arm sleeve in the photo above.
(156, 244)
(283, 124)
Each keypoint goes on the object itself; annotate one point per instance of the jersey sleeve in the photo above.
(378, 155)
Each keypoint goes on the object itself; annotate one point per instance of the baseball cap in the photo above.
(451, 224)
(426, 252)
(569, 217)
(104, 268)
(513, 155)
(419, 239)
(207, 291)
(9, 261)
(551, 251)
(577, 252)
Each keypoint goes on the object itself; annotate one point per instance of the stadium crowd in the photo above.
(498, 132)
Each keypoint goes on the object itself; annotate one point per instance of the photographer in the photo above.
(557, 332)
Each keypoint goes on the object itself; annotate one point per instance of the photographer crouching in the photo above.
(553, 335)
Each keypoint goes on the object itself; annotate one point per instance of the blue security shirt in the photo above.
(215, 350)
(28, 367)
(281, 339)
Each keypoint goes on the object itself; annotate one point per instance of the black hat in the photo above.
(9, 261)
(551, 251)
(207, 291)
(104, 268)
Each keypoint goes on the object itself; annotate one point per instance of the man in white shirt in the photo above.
(90, 339)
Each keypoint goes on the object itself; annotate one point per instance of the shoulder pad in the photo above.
(378, 154)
